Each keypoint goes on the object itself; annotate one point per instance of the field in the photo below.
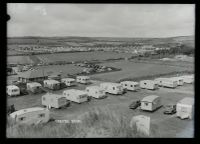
(135, 69)
(78, 56)
(166, 125)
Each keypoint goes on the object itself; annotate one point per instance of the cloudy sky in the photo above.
(101, 20)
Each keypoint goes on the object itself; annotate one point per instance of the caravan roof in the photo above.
(12, 87)
(187, 100)
(176, 78)
(85, 77)
(111, 83)
(34, 84)
(51, 81)
(93, 87)
(75, 91)
(130, 82)
(27, 110)
(150, 98)
(53, 95)
(68, 79)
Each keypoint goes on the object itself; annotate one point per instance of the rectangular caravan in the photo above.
(130, 85)
(83, 79)
(148, 84)
(13, 90)
(187, 79)
(95, 91)
(69, 81)
(52, 84)
(34, 87)
(33, 115)
(166, 82)
(185, 108)
(151, 103)
(54, 100)
(74, 95)
(112, 88)
(179, 80)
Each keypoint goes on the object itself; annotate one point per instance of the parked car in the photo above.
(135, 104)
(170, 109)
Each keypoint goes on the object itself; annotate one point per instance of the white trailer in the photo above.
(112, 88)
(54, 100)
(34, 87)
(75, 95)
(185, 108)
(52, 84)
(166, 82)
(187, 79)
(179, 80)
(13, 90)
(95, 91)
(148, 84)
(130, 85)
(69, 81)
(30, 116)
(83, 79)
(151, 103)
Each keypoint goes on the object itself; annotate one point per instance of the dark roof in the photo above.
(33, 74)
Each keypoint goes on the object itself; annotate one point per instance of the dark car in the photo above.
(170, 109)
(135, 104)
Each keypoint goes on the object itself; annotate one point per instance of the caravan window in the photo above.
(44, 98)
(41, 115)
(113, 88)
(125, 84)
(146, 104)
(145, 83)
(22, 118)
(131, 85)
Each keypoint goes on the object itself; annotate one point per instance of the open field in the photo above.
(167, 125)
(135, 69)
(77, 56)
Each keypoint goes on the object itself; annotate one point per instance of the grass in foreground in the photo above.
(95, 123)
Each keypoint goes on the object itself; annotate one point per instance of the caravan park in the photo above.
(100, 71)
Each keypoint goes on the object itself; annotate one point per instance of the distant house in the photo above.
(32, 76)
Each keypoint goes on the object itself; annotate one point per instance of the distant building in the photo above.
(32, 76)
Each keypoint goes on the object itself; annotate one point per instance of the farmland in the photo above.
(167, 125)
(134, 70)
(79, 56)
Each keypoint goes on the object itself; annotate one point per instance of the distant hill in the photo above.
(73, 40)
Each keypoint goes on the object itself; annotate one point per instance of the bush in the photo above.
(95, 123)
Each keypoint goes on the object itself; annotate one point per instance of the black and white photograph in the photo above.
(100, 70)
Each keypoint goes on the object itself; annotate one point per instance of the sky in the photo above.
(101, 20)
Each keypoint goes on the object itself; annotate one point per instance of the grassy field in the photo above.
(78, 56)
(134, 70)
(81, 56)
(166, 125)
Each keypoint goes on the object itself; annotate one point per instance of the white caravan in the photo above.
(151, 103)
(179, 80)
(69, 81)
(166, 82)
(130, 85)
(75, 95)
(185, 108)
(83, 79)
(13, 90)
(30, 116)
(112, 88)
(54, 100)
(187, 79)
(95, 91)
(148, 84)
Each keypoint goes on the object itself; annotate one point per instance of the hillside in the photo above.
(90, 41)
